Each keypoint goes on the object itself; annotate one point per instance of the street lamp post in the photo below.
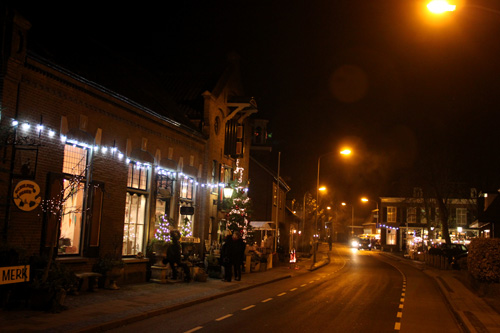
(345, 152)
(376, 202)
(352, 218)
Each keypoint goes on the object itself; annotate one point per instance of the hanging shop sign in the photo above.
(26, 195)
(187, 210)
(195, 240)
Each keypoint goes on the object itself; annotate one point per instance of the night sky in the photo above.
(378, 75)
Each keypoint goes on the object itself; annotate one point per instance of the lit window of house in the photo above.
(391, 214)
(135, 209)
(72, 200)
(423, 216)
(186, 201)
(461, 217)
(391, 237)
(411, 215)
(187, 188)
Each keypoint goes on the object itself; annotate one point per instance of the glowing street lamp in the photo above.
(440, 6)
(367, 200)
(343, 152)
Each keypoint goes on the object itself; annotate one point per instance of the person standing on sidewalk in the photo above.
(330, 242)
(238, 254)
(226, 255)
(174, 256)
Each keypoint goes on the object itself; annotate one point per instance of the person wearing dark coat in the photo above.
(238, 254)
(226, 258)
(174, 256)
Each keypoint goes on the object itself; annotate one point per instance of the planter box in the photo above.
(159, 274)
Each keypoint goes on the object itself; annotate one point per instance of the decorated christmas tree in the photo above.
(163, 230)
(238, 215)
(186, 228)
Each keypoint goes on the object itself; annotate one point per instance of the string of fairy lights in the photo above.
(42, 131)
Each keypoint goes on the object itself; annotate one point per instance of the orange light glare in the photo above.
(440, 7)
(346, 152)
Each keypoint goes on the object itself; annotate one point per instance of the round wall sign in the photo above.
(26, 195)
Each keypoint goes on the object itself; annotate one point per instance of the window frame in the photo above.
(392, 214)
(138, 184)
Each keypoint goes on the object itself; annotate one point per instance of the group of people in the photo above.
(232, 256)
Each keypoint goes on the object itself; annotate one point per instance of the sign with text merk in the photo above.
(14, 274)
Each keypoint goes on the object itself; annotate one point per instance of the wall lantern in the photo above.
(228, 192)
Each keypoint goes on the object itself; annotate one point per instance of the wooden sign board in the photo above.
(14, 274)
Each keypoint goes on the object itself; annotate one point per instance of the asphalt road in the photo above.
(359, 291)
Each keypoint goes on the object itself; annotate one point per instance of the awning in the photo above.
(262, 225)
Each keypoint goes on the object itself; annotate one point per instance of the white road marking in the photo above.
(224, 317)
(281, 294)
(293, 289)
(248, 307)
(267, 300)
(400, 314)
(397, 327)
(194, 329)
(305, 284)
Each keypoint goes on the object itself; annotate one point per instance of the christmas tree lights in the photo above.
(163, 230)
(238, 216)
(186, 228)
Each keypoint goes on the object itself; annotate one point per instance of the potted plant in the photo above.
(111, 269)
(161, 241)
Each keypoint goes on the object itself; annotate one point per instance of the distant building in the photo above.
(411, 220)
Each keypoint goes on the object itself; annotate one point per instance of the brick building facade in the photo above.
(114, 165)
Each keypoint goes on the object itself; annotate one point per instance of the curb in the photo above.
(322, 263)
(135, 318)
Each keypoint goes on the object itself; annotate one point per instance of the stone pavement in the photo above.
(106, 309)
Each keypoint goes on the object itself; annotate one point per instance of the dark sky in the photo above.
(376, 74)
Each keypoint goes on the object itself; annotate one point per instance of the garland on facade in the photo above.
(238, 216)
(22, 132)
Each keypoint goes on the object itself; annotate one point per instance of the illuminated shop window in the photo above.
(75, 160)
(72, 199)
(187, 188)
(135, 209)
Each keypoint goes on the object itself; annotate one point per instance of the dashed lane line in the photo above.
(194, 329)
(224, 317)
(293, 289)
(267, 300)
(281, 294)
(303, 285)
(248, 307)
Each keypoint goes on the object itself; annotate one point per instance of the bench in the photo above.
(90, 278)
